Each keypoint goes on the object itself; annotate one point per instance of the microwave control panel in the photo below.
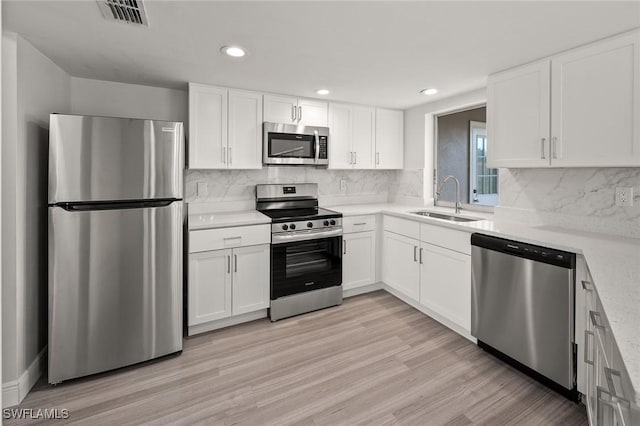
(323, 148)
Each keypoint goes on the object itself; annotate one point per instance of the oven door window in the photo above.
(285, 145)
(305, 265)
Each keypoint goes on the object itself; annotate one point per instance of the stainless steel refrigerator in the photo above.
(115, 242)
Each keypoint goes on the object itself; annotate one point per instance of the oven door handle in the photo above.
(315, 134)
(310, 235)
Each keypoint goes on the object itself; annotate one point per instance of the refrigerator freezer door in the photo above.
(115, 288)
(108, 159)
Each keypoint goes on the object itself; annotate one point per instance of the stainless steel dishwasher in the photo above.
(522, 308)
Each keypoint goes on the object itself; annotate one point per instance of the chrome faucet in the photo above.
(446, 178)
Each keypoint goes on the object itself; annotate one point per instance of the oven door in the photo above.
(302, 266)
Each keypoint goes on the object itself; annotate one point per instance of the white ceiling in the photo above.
(379, 53)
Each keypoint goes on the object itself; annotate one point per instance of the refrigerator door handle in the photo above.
(83, 207)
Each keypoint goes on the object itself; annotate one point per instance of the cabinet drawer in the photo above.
(221, 238)
(404, 227)
(444, 237)
(358, 224)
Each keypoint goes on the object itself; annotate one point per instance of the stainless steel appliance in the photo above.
(115, 242)
(306, 249)
(290, 144)
(522, 308)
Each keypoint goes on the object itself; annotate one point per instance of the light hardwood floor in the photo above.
(372, 361)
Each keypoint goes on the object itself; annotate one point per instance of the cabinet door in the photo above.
(280, 109)
(400, 268)
(245, 130)
(358, 259)
(250, 278)
(340, 150)
(313, 113)
(445, 283)
(362, 137)
(389, 135)
(209, 286)
(518, 117)
(595, 105)
(207, 127)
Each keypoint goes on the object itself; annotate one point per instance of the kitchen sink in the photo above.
(445, 216)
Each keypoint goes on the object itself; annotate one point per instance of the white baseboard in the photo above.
(14, 392)
(361, 290)
(226, 322)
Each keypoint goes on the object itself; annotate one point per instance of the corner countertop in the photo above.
(226, 219)
(613, 261)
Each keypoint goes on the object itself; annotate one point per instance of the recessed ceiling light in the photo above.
(234, 51)
(322, 92)
(429, 92)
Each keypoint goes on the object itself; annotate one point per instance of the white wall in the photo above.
(33, 87)
(419, 132)
(106, 98)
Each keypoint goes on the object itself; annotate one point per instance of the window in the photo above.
(461, 151)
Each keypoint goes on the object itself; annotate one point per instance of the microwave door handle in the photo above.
(287, 151)
(315, 133)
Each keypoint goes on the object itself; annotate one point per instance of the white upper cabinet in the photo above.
(352, 143)
(595, 105)
(245, 130)
(580, 108)
(225, 128)
(207, 127)
(313, 113)
(292, 110)
(518, 117)
(280, 109)
(389, 136)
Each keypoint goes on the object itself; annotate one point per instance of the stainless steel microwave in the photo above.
(291, 144)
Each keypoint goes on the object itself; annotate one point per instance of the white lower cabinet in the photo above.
(431, 265)
(209, 286)
(250, 279)
(445, 283)
(400, 267)
(358, 259)
(228, 282)
(608, 393)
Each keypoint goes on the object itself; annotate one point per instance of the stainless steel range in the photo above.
(306, 249)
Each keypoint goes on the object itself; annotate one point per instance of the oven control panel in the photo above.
(306, 225)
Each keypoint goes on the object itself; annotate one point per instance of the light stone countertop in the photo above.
(226, 219)
(613, 261)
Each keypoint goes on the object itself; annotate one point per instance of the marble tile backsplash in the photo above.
(407, 186)
(239, 185)
(579, 198)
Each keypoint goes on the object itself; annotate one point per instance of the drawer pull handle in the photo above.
(344, 244)
(608, 374)
(587, 334)
(360, 224)
(596, 319)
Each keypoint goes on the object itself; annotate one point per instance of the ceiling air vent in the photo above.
(129, 11)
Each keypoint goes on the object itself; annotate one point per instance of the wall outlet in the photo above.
(201, 190)
(343, 186)
(624, 196)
